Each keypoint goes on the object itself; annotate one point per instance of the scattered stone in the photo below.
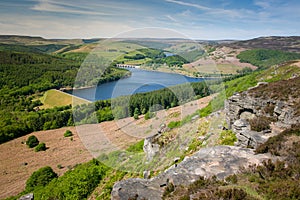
(176, 159)
(163, 128)
(195, 117)
(201, 138)
(146, 174)
(29, 196)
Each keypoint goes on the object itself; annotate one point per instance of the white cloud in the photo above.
(213, 12)
(64, 28)
(63, 7)
(189, 4)
(263, 4)
(171, 18)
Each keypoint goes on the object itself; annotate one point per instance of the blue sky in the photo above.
(197, 19)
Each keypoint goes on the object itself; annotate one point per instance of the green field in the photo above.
(220, 68)
(55, 98)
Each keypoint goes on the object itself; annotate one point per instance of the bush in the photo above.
(32, 141)
(41, 177)
(174, 124)
(77, 183)
(136, 113)
(68, 133)
(227, 138)
(136, 116)
(260, 123)
(40, 147)
(149, 115)
(231, 193)
(138, 147)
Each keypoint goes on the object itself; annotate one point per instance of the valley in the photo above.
(173, 143)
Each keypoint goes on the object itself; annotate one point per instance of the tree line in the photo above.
(264, 58)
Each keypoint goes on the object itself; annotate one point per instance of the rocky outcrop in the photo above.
(219, 161)
(242, 107)
(246, 137)
(151, 148)
(247, 105)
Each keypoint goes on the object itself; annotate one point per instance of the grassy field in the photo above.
(108, 49)
(221, 68)
(55, 98)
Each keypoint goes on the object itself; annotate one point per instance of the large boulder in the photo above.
(151, 148)
(219, 161)
(247, 138)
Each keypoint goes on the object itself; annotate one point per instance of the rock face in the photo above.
(246, 137)
(242, 107)
(219, 161)
(150, 146)
(245, 106)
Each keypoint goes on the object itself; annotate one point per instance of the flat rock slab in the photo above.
(219, 161)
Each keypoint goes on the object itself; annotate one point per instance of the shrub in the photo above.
(77, 183)
(68, 133)
(231, 179)
(174, 124)
(260, 123)
(231, 193)
(40, 147)
(32, 141)
(138, 147)
(227, 138)
(149, 115)
(169, 189)
(136, 116)
(136, 113)
(59, 166)
(41, 177)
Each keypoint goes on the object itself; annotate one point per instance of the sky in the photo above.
(196, 19)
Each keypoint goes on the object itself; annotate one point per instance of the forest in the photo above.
(24, 76)
(264, 58)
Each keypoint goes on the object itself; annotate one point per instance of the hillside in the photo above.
(261, 118)
(29, 40)
(290, 44)
(184, 146)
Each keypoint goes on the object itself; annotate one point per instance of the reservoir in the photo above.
(140, 81)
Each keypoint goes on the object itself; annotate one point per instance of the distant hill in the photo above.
(30, 40)
(291, 44)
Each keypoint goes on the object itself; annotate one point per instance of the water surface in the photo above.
(139, 81)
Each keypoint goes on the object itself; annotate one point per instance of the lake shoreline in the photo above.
(183, 74)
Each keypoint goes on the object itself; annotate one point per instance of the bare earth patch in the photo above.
(297, 63)
(14, 155)
(221, 60)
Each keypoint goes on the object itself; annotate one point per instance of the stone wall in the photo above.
(245, 106)
(242, 107)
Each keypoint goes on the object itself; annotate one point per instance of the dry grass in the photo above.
(98, 138)
(61, 151)
(55, 98)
